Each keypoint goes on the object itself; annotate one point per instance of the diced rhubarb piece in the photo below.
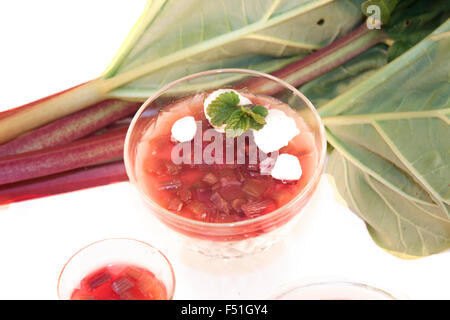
(237, 204)
(215, 187)
(240, 172)
(203, 194)
(133, 272)
(105, 292)
(175, 204)
(210, 178)
(191, 176)
(98, 279)
(231, 188)
(173, 169)
(254, 209)
(185, 194)
(133, 294)
(254, 188)
(160, 149)
(229, 181)
(199, 210)
(232, 192)
(254, 174)
(146, 283)
(122, 285)
(281, 196)
(220, 203)
(227, 170)
(151, 287)
(169, 185)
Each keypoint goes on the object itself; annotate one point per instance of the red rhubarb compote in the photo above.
(217, 193)
(120, 282)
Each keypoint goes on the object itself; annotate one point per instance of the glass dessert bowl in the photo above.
(117, 269)
(226, 158)
(332, 289)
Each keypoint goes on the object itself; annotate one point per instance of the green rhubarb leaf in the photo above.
(331, 84)
(407, 22)
(391, 134)
(412, 21)
(177, 38)
(399, 225)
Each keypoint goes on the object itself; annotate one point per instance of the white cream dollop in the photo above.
(277, 132)
(184, 129)
(242, 101)
(287, 167)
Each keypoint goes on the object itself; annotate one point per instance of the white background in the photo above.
(48, 46)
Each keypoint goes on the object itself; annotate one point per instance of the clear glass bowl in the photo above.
(111, 252)
(327, 289)
(237, 238)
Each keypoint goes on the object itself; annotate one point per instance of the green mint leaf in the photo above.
(256, 113)
(244, 118)
(224, 110)
(222, 107)
(257, 118)
(255, 125)
(239, 122)
(262, 111)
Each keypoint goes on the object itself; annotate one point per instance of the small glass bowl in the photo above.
(226, 239)
(110, 252)
(327, 289)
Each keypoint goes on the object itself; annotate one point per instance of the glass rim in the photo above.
(304, 284)
(301, 195)
(169, 297)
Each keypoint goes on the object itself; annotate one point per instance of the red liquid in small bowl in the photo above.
(120, 282)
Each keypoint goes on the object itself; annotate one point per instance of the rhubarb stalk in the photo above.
(319, 62)
(101, 148)
(63, 182)
(38, 113)
(70, 128)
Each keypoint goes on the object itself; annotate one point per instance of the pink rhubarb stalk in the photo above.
(38, 113)
(100, 148)
(319, 62)
(78, 179)
(70, 128)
